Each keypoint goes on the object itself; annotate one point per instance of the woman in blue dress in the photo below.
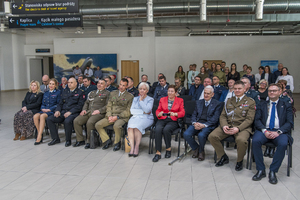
(50, 100)
(142, 117)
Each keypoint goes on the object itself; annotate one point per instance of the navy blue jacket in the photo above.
(284, 112)
(89, 89)
(218, 91)
(133, 91)
(33, 104)
(111, 88)
(196, 92)
(223, 95)
(213, 112)
(71, 101)
(51, 99)
(160, 91)
(275, 75)
(254, 95)
(270, 78)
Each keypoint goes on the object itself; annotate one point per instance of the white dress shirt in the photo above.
(276, 124)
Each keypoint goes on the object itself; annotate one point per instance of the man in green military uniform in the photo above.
(117, 113)
(236, 119)
(250, 93)
(94, 109)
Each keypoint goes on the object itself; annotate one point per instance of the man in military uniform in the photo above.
(131, 89)
(109, 87)
(117, 113)
(236, 119)
(69, 107)
(250, 93)
(218, 89)
(94, 109)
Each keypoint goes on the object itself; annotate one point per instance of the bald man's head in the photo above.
(45, 79)
(72, 83)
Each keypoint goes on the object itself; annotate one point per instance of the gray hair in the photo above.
(144, 84)
(245, 78)
(210, 87)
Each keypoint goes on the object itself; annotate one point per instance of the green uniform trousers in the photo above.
(117, 129)
(241, 139)
(90, 121)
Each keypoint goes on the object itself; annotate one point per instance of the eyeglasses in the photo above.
(273, 91)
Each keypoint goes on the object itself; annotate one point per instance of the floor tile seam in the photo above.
(288, 189)
(55, 182)
(234, 175)
(28, 185)
(42, 195)
(214, 181)
(264, 189)
(147, 182)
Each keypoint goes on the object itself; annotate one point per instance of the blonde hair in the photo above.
(37, 84)
(55, 82)
(263, 80)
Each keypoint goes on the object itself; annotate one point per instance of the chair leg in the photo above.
(289, 160)
(179, 140)
(248, 154)
(149, 148)
(251, 158)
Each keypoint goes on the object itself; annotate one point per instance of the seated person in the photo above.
(236, 119)
(249, 92)
(220, 74)
(263, 89)
(170, 108)
(50, 100)
(273, 123)
(88, 72)
(141, 109)
(93, 110)
(200, 93)
(117, 114)
(180, 88)
(23, 120)
(108, 81)
(87, 86)
(204, 120)
(144, 78)
(98, 74)
(250, 76)
(131, 89)
(218, 89)
(227, 94)
(194, 88)
(44, 87)
(77, 72)
(69, 107)
(155, 84)
(64, 84)
(80, 82)
(162, 89)
(286, 76)
(113, 83)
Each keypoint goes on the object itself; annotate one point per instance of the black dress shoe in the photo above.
(41, 141)
(156, 158)
(272, 178)
(54, 141)
(239, 166)
(68, 143)
(259, 175)
(117, 146)
(135, 155)
(130, 155)
(272, 152)
(77, 144)
(107, 144)
(224, 160)
(267, 152)
(87, 146)
(196, 153)
(168, 154)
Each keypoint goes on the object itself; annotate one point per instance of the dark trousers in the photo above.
(281, 143)
(202, 137)
(164, 128)
(68, 124)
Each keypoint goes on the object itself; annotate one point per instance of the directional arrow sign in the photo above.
(14, 6)
(11, 20)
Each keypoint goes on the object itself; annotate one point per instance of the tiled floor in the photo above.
(43, 172)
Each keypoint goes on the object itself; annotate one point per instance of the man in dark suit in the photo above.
(162, 89)
(204, 120)
(273, 123)
(227, 94)
(131, 89)
(69, 107)
(87, 86)
(200, 93)
(194, 88)
(155, 84)
(218, 89)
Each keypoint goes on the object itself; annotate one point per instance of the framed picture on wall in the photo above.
(273, 64)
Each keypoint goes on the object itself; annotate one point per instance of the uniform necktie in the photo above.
(206, 103)
(238, 99)
(272, 120)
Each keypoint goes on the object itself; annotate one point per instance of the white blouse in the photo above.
(289, 79)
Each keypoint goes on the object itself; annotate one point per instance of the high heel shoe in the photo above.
(37, 143)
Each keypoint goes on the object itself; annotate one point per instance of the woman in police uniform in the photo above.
(50, 100)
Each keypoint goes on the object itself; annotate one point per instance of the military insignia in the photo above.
(84, 96)
(76, 95)
(241, 107)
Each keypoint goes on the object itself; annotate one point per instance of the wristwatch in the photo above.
(279, 132)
